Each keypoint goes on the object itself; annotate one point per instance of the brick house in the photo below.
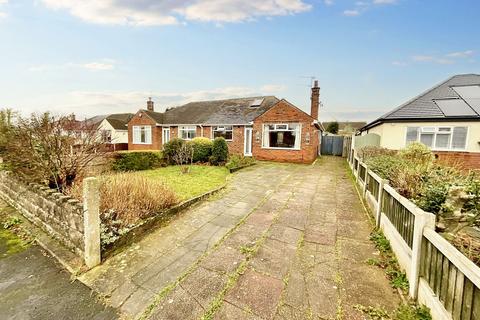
(446, 118)
(266, 128)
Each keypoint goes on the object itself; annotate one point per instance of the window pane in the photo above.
(446, 129)
(412, 134)
(142, 135)
(459, 140)
(281, 127)
(427, 139)
(442, 141)
(282, 139)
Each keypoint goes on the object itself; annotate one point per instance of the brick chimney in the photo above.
(150, 105)
(315, 100)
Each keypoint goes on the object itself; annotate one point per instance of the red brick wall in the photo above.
(141, 119)
(466, 160)
(283, 112)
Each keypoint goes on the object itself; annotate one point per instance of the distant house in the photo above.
(113, 129)
(264, 127)
(445, 118)
(346, 128)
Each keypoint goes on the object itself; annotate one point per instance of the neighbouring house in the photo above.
(266, 128)
(113, 129)
(445, 118)
(347, 128)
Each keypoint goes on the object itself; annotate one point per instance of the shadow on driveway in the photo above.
(33, 286)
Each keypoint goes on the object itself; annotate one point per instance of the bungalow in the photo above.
(264, 127)
(113, 129)
(445, 118)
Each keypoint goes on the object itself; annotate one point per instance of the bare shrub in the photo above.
(128, 197)
(184, 156)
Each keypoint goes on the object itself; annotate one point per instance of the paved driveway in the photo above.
(282, 242)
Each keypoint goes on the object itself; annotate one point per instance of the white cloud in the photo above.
(328, 2)
(461, 54)
(99, 66)
(351, 13)
(153, 12)
(449, 58)
(3, 15)
(400, 63)
(102, 65)
(433, 59)
(273, 88)
(384, 1)
(91, 103)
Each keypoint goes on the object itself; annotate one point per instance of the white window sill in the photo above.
(272, 148)
(142, 143)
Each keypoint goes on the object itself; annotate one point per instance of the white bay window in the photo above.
(439, 138)
(282, 136)
(142, 134)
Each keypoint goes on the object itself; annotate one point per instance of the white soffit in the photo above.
(454, 107)
(471, 94)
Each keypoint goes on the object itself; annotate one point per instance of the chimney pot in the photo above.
(150, 105)
(315, 100)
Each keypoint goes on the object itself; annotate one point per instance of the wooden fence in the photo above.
(440, 276)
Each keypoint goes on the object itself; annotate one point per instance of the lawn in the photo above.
(199, 180)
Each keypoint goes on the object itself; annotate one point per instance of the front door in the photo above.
(165, 135)
(248, 142)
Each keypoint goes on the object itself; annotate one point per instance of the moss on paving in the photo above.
(10, 243)
(199, 180)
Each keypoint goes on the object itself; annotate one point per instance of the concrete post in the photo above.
(378, 214)
(91, 218)
(365, 182)
(422, 220)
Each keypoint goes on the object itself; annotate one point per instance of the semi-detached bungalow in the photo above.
(266, 128)
(446, 118)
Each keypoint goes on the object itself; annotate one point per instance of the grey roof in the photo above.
(429, 104)
(231, 111)
(119, 121)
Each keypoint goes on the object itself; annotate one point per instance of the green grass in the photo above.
(199, 180)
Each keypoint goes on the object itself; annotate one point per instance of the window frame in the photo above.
(298, 135)
(435, 130)
(187, 129)
(225, 130)
(138, 130)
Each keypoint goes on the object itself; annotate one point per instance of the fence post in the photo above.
(378, 214)
(422, 220)
(91, 218)
(365, 182)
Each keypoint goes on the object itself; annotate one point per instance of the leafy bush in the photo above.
(219, 151)
(369, 152)
(383, 165)
(135, 161)
(237, 161)
(417, 153)
(171, 148)
(202, 149)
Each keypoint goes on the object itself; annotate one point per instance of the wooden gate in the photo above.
(332, 145)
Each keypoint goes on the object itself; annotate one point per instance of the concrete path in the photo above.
(299, 254)
(33, 286)
(132, 279)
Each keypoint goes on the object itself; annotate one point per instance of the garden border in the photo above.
(232, 170)
(439, 275)
(142, 229)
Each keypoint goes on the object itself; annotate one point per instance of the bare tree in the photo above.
(51, 149)
(184, 156)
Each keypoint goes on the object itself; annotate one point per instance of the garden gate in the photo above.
(332, 145)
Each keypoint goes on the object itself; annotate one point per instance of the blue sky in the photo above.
(97, 57)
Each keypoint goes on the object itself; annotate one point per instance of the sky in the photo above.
(95, 57)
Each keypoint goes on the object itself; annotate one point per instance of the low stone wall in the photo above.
(58, 215)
